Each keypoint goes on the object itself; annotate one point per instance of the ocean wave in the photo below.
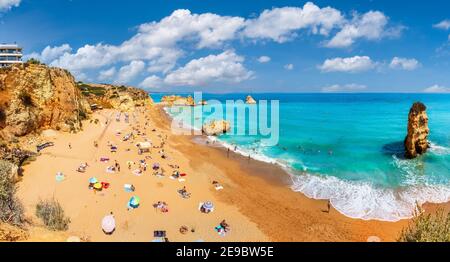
(359, 200)
(365, 201)
(439, 150)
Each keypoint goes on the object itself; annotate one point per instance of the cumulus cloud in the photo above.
(437, 89)
(370, 26)
(107, 74)
(6, 5)
(225, 67)
(444, 25)
(404, 63)
(289, 67)
(264, 59)
(351, 64)
(152, 82)
(160, 44)
(129, 72)
(51, 53)
(280, 24)
(344, 88)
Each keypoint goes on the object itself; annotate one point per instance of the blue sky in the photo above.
(246, 46)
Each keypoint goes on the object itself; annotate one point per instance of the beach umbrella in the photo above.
(208, 205)
(93, 180)
(98, 186)
(108, 224)
(134, 202)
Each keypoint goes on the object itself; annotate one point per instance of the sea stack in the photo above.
(250, 101)
(416, 142)
(216, 127)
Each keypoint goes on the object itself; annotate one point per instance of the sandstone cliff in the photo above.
(36, 97)
(215, 128)
(416, 141)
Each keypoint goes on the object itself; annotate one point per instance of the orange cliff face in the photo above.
(36, 97)
(416, 142)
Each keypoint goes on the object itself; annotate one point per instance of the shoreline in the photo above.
(275, 213)
(288, 178)
(256, 200)
(275, 175)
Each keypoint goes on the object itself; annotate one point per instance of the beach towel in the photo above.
(128, 188)
(60, 177)
(104, 159)
(137, 172)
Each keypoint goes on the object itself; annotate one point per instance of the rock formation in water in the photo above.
(416, 142)
(36, 97)
(175, 100)
(216, 127)
(250, 101)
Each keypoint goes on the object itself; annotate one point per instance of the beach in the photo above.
(256, 200)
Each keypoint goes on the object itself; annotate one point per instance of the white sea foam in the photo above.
(366, 201)
(360, 200)
(439, 150)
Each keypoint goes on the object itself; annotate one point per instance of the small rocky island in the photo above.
(216, 127)
(250, 100)
(416, 141)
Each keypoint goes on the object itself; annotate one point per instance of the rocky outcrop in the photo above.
(216, 127)
(250, 100)
(15, 156)
(36, 97)
(175, 100)
(416, 141)
(123, 98)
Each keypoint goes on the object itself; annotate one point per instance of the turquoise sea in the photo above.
(349, 148)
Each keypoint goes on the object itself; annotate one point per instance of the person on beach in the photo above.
(228, 153)
(328, 206)
(70, 146)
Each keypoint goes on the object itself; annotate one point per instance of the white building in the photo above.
(10, 54)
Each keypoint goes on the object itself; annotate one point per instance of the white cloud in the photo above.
(152, 82)
(264, 59)
(6, 5)
(444, 25)
(404, 63)
(350, 64)
(280, 24)
(129, 72)
(289, 67)
(369, 26)
(344, 88)
(437, 89)
(160, 44)
(225, 67)
(51, 53)
(157, 42)
(107, 74)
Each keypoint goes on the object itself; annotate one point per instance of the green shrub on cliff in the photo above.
(52, 214)
(427, 228)
(33, 61)
(11, 210)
